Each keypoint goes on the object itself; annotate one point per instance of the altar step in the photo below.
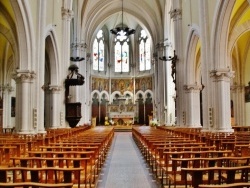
(120, 128)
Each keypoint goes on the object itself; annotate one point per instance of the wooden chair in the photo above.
(197, 175)
(230, 185)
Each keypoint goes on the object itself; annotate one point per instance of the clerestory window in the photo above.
(98, 52)
(122, 53)
(144, 51)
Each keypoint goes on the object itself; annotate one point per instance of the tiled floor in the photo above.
(125, 167)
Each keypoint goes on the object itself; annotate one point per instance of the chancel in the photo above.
(122, 111)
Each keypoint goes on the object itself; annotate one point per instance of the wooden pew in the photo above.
(168, 171)
(33, 184)
(229, 185)
(40, 175)
(197, 175)
(58, 162)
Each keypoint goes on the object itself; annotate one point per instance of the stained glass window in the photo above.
(98, 52)
(144, 51)
(122, 53)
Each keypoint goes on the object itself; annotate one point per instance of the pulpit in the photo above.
(73, 113)
(73, 109)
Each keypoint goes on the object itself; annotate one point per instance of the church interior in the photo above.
(83, 81)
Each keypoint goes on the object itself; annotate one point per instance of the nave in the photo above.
(148, 157)
(125, 166)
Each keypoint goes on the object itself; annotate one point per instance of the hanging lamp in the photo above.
(122, 30)
(76, 46)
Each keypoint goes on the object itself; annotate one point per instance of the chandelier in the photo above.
(119, 31)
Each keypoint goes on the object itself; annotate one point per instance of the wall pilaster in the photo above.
(6, 94)
(238, 98)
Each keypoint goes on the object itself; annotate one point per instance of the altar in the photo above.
(124, 118)
(122, 112)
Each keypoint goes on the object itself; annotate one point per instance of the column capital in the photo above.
(160, 46)
(24, 76)
(7, 87)
(54, 88)
(67, 14)
(222, 74)
(176, 14)
(192, 87)
(235, 87)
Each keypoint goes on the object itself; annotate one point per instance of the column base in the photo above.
(26, 133)
(223, 131)
(42, 132)
(194, 126)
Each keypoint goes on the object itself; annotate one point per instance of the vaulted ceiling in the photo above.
(147, 14)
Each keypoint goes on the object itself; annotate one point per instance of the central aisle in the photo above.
(125, 166)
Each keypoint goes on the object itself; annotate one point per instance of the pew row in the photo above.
(33, 184)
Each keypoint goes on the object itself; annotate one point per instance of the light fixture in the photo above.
(122, 30)
(76, 46)
(173, 66)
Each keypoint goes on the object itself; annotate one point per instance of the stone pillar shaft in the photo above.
(55, 115)
(193, 105)
(176, 15)
(23, 121)
(222, 115)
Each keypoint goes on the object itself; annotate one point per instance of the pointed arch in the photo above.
(191, 66)
(25, 34)
(220, 32)
(51, 47)
(236, 33)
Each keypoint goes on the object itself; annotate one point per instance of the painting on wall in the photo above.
(143, 84)
(100, 84)
(247, 93)
(122, 85)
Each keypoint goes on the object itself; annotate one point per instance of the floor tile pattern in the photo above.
(125, 167)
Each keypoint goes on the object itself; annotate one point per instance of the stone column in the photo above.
(222, 114)
(176, 15)
(67, 15)
(193, 105)
(39, 98)
(160, 80)
(24, 112)
(86, 98)
(55, 111)
(205, 63)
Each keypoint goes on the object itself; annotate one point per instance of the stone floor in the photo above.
(125, 167)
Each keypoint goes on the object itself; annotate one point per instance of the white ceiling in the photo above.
(146, 13)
